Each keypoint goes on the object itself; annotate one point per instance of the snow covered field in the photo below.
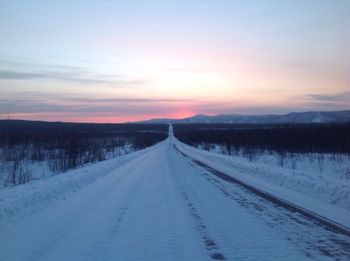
(157, 204)
(17, 202)
(301, 181)
(41, 169)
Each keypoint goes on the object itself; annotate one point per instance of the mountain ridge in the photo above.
(292, 117)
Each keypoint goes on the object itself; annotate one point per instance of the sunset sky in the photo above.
(116, 61)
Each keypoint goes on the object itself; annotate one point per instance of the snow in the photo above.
(41, 169)
(324, 177)
(20, 201)
(326, 195)
(153, 205)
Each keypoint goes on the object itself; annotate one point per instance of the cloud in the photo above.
(39, 102)
(69, 77)
(16, 70)
(323, 101)
(31, 102)
(337, 97)
(21, 63)
(78, 99)
(127, 100)
(13, 75)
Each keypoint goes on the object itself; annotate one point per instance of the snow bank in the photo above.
(18, 202)
(324, 196)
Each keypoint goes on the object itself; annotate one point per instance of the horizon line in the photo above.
(170, 118)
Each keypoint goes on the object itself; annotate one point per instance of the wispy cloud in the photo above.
(324, 101)
(16, 70)
(69, 77)
(15, 75)
(337, 97)
(31, 102)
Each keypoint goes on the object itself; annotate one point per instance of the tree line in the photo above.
(67, 145)
(281, 138)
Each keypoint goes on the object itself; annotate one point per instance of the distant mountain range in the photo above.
(293, 117)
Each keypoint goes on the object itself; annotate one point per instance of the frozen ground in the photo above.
(156, 204)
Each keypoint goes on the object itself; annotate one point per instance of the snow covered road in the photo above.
(161, 206)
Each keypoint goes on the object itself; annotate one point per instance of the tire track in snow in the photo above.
(85, 208)
(106, 245)
(313, 235)
(211, 245)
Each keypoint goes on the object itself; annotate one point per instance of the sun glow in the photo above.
(179, 78)
(121, 60)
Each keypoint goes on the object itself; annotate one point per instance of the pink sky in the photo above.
(126, 61)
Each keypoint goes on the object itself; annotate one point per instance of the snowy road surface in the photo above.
(162, 206)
